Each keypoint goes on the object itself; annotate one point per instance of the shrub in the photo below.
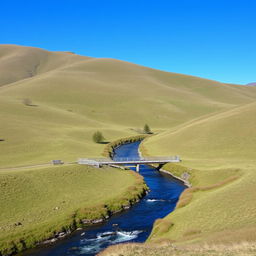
(98, 137)
(146, 129)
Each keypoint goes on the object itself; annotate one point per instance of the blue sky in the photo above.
(214, 39)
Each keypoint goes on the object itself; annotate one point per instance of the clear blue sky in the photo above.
(214, 39)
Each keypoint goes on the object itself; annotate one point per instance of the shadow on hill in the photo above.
(32, 105)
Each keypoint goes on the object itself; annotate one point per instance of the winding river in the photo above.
(133, 225)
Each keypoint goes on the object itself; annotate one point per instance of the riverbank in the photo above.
(220, 207)
(191, 240)
(110, 147)
(132, 225)
(45, 204)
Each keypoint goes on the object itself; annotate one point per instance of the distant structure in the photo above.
(56, 162)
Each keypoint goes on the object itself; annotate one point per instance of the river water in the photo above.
(133, 225)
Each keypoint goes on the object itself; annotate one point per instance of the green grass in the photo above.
(51, 199)
(211, 125)
(219, 153)
(76, 96)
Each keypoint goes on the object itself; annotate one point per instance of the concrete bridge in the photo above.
(98, 162)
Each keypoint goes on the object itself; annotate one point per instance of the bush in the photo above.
(146, 129)
(98, 137)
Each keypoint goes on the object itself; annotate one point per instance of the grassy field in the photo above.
(214, 150)
(167, 249)
(73, 96)
(217, 216)
(211, 125)
(37, 203)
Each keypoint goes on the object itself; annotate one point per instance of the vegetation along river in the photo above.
(133, 225)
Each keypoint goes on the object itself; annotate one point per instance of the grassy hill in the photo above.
(73, 96)
(17, 63)
(217, 147)
(217, 215)
(38, 203)
(211, 125)
(225, 139)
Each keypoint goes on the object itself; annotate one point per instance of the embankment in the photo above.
(45, 204)
(110, 147)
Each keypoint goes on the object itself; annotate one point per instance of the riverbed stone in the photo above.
(97, 221)
(62, 234)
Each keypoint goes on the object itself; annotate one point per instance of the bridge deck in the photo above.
(127, 160)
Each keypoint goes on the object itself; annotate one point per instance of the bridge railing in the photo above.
(161, 158)
(95, 161)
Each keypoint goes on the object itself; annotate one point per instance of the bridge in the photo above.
(98, 162)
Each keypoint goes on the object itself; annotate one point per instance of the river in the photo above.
(133, 225)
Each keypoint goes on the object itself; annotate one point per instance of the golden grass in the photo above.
(162, 226)
(166, 248)
(187, 194)
(76, 95)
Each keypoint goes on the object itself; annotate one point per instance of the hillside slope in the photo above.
(38, 203)
(73, 96)
(224, 139)
(209, 124)
(17, 63)
(217, 215)
(222, 151)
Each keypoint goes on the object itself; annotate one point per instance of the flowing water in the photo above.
(133, 225)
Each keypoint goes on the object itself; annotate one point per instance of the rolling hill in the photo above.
(72, 96)
(211, 125)
(216, 147)
(224, 139)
